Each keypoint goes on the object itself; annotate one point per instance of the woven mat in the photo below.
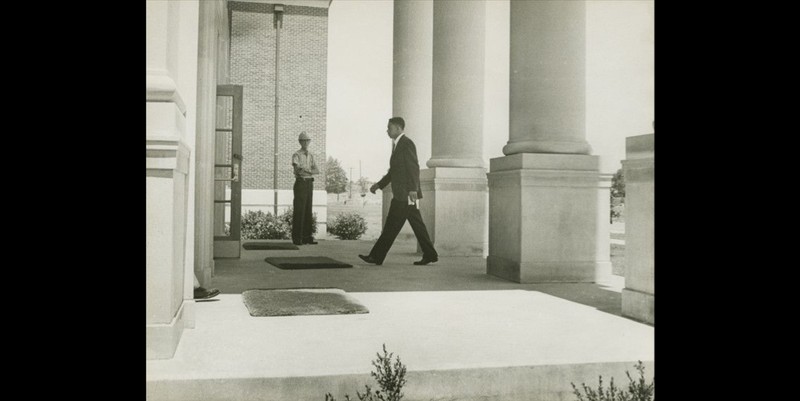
(301, 301)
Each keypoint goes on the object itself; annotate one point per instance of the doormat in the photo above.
(269, 246)
(306, 262)
(301, 301)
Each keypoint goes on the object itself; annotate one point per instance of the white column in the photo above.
(170, 109)
(548, 203)
(210, 24)
(459, 40)
(454, 204)
(638, 296)
(411, 81)
(412, 73)
(548, 78)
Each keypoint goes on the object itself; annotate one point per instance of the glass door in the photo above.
(228, 172)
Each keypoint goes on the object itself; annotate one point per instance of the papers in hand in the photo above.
(411, 202)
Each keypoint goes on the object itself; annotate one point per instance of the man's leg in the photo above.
(297, 213)
(394, 222)
(421, 232)
(307, 211)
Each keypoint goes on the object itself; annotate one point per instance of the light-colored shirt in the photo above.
(305, 161)
(395, 140)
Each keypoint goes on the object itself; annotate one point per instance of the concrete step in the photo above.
(509, 383)
(457, 345)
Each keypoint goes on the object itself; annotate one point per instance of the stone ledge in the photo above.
(547, 178)
(640, 146)
(167, 153)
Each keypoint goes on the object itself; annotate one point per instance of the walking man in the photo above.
(304, 170)
(404, 176)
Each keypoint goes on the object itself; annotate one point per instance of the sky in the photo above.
(619, 80)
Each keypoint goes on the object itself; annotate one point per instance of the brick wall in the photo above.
(302, 94)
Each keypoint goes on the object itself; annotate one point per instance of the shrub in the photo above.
(637, 390)
(348, 226)
(391, 379)
(259, 225)
(617, 209)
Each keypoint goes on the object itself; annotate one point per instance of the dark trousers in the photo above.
(301, 218)
(399, 211)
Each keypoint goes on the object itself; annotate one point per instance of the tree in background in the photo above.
(335, 177)
(617, 195)
(364, 184)
(618, 185)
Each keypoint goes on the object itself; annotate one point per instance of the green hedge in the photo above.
(259, 225)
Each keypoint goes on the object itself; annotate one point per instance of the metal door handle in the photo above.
(235, 172)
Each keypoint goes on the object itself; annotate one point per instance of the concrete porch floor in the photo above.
(462, 334)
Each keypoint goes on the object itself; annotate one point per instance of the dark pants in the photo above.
(301, 218)
(399, 211)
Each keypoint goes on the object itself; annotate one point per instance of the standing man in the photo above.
(404, 176)
(304, 170)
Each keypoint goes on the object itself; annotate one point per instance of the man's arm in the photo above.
(314, 169)
(296, 164)
(382, 183)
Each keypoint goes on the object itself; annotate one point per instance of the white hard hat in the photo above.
(303, 136)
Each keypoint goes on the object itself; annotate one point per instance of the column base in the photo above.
(162, 339)
(566, 147)
(545, 272)
(639, 305)
(548, 219)
(455, 209)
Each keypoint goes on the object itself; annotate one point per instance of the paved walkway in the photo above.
(396, 274)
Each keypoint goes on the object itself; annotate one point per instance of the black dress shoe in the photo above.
(369, 259)
(312, 242)
(425, 261)
(202, 293)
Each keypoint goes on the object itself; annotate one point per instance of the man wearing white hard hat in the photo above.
(304, 170)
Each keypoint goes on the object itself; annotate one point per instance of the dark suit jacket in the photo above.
(403, 171)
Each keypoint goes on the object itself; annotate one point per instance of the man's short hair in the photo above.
(398, 121)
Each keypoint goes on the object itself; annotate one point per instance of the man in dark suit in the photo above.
(404, 177)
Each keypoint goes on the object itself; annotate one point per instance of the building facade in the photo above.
(538, 214)
(297, 36)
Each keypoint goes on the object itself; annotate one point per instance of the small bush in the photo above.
(637, 390)
(391, 379)
(617, 209)
(259, 225)
(348, 226)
